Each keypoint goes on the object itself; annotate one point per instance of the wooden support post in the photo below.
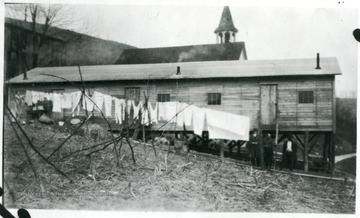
(261, 150)
(332, 154)
(306, 143)
(222, 145)
(325, 147)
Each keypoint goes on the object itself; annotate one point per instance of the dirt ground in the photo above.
(168, 182)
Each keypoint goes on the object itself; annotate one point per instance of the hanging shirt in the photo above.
(223, 125)
(98, 99)
(198, 120)
(153, 111)
(137, 109)
(56, 103)
(108, 104)
(167, 111)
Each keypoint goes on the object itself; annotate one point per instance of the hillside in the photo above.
(345, 125)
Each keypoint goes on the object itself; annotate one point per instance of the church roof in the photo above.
(190, 53)
(226, 22)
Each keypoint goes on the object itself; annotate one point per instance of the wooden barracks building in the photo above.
(295, 96)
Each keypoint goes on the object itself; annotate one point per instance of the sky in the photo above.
(268, 32)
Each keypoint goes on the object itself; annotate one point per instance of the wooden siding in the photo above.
(238, 96)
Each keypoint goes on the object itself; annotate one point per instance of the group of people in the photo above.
(289, 151)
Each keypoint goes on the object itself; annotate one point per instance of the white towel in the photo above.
(56, 102)
(108, 104)
(153, 111)
(288, 146)
(223, 125)
(198, 120)
(167, 111)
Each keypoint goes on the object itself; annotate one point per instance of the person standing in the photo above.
(289, 156)
(254, 148)
(269, 147)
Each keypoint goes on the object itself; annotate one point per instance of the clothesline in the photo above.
(221, 125)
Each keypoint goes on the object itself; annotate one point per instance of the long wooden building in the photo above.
(295, 96)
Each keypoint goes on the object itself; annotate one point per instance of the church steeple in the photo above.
(226, 30)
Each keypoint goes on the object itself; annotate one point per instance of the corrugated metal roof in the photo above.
(189, 70)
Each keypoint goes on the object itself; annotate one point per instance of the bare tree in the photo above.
(42, 21)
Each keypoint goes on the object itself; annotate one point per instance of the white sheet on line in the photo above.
(223, 125)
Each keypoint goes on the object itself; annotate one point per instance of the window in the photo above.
(214, 98)
(163, 97)
(306, 97)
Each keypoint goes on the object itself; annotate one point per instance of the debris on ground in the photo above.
(171, 181)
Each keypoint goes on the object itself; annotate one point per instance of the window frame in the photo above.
(163, 97)
(306, 97)
(214, 98)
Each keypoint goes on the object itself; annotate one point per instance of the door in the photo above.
(268, 104)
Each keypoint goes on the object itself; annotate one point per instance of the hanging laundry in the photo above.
(108, 104)
(48, 96)
(198, 120)
(28, 98)
(145, 116)
(223, 125)
(153, 111)
(66, 100)
(36, 96)
(167, 111)
(188, 115)
(123, 108)
(119, 105)
(87, 103)
(137, 109)
(180, 107)
(56, 102)
(98, 99)
(128, 106)
(75, 100)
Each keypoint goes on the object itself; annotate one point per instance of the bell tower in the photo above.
(226, 31)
